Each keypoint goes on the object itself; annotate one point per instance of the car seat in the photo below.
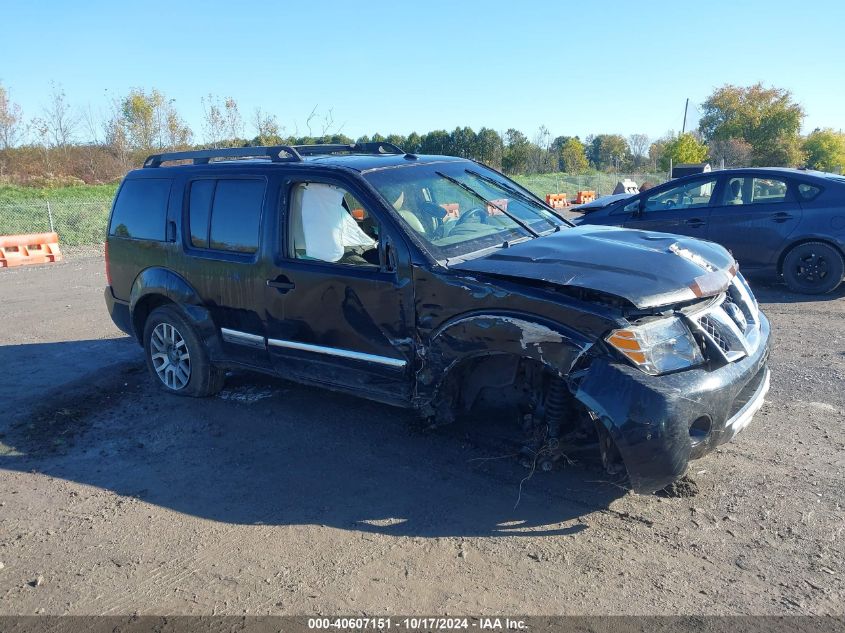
(412, 220)
(735, 192)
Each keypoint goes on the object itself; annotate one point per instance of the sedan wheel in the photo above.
(813, 268)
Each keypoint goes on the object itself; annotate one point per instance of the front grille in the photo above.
(710, 328)
(731, 325)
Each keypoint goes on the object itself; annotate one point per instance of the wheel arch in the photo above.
(157, 286)
(479, 338)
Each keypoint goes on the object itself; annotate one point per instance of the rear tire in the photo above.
(813, 268)
(176, 357)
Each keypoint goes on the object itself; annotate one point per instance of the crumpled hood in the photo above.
(648, 269)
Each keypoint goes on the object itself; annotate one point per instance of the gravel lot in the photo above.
(275, 498)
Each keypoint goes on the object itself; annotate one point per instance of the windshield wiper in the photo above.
(516, 193)
(473, 192)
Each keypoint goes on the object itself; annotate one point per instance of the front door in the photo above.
(683, 209)
(753, 218)
(340, 303)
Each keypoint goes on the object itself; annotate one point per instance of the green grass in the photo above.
(82, 193)
(601, 183)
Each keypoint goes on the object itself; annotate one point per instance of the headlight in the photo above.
(658, 347)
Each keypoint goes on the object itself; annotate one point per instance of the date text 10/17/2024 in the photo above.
(417, 623)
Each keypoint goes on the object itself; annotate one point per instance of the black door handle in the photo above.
(282, 284)
(695, 223)
(781, 217)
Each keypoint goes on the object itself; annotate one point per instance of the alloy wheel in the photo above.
(170, 356)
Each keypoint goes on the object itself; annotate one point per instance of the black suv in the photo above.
(436, 283)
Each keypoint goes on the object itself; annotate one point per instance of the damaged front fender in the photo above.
(478, 335)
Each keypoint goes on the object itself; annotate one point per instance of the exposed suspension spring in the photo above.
(556, 406)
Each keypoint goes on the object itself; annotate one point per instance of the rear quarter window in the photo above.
(808, 192)
(140, 211)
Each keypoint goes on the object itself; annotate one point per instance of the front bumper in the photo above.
(650, 417)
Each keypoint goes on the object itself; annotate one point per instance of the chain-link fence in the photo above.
(81, 225)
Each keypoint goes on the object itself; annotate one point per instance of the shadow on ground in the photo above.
(34, 370)
(269, 452)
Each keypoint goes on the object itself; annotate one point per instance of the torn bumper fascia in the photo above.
(649, 417)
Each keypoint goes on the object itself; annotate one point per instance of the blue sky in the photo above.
(578, 68)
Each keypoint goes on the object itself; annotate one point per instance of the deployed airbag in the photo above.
(327, 228)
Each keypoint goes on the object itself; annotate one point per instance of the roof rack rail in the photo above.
(276, 153)
(373, 147)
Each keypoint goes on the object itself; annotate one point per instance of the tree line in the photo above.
(740, 126)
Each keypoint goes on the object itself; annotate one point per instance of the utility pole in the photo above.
(684, 126)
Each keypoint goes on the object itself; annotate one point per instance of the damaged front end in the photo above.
(661, 418)
(679, 368)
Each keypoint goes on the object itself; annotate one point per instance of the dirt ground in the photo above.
(274, 498)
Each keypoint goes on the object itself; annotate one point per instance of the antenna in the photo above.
(684, 126)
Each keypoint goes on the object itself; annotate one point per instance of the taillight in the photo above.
(108, 266)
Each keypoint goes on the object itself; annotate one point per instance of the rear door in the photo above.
(340, 310)
(221, 220)
(753, 217)
(683, 209)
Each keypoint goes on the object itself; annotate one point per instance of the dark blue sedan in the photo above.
(776, 222)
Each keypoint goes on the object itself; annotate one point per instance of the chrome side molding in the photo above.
(334, 351)
(243, 338)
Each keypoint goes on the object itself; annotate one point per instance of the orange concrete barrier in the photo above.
(557, 200)
(585, 196)
(36, 248)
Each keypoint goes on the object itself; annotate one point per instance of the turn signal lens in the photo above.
(657, 347)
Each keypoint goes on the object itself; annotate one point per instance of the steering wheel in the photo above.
(685, 200)
(482, 214)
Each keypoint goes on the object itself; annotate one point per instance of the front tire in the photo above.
(176, 358)
(813, 268)
(611, 460)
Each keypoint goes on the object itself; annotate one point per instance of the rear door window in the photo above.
(225, 215)
(202, 193)
(748, 190)
(140, 210)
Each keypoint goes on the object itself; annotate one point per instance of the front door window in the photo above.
(690, 195)
(328, 224)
